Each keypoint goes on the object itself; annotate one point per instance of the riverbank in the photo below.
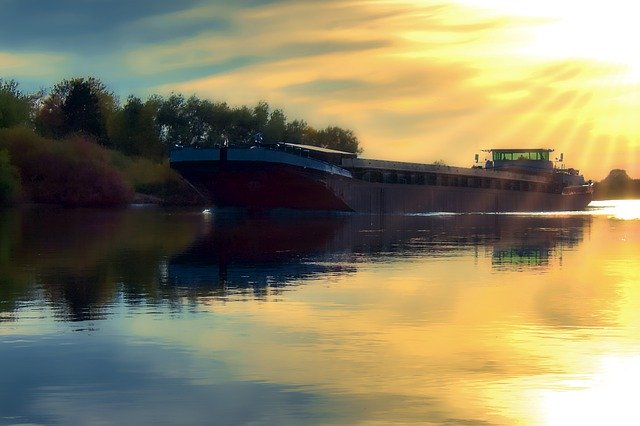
(77, 172)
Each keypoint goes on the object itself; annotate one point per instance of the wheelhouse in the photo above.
(524, 160)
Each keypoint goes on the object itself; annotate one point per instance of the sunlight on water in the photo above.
(608, 396)
(617, 209)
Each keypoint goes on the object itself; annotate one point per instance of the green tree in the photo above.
(276, 127)
(261, 116)
(49, 118)
(298, 132)
(218, 115)
(15, 106)
(133, 129)
(173, 121)
(77, 105)
(337, 138)
(200, 118)
(242, 126)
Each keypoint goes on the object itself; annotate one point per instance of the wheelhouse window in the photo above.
(535, 155)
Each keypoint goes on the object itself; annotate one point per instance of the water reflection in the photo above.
(81, 261)
(182, 317)
(278, 250)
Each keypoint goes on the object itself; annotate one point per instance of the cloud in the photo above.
(20, 65)
(254, 36)
(89, 27)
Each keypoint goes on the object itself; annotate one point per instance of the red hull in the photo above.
(262, 185)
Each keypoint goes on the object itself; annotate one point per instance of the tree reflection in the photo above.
(82, 260)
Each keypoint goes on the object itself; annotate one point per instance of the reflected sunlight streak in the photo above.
(608, 397)
(616, 209)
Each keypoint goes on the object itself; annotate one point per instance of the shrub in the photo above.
(72, 172)
(157, 180)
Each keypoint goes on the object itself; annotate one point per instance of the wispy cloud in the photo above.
(20, 65)
(88, 27)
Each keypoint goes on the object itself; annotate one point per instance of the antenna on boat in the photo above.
(477, 158)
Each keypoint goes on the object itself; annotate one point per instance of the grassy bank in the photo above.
(75, 171)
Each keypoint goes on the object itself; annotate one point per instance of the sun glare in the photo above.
(606, 398)
(617, 209)
(603, 31)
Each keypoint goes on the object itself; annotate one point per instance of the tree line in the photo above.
(149, 128)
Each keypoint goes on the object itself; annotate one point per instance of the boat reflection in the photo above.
(260, 251)
(253, 252)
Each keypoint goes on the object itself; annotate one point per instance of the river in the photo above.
(158, 316)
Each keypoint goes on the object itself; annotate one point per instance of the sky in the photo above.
(419, 81)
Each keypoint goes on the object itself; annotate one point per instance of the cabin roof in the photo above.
(319, 149)
(518, 150)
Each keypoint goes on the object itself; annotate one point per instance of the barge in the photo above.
(290, 176)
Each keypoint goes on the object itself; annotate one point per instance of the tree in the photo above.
(276, 127)
(242, 126)
(337, 138)
(298, 132)
(15, 107)
(78, 105)
(173, 122)
(81, 112)
(261, 116)
(218, 115)
(133, 130)
(49, 119)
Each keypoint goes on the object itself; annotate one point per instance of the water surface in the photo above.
(151, 316)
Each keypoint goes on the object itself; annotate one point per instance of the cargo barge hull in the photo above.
(261, 179)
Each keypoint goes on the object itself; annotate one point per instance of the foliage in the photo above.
(82, 106)
(336, 138)
(9, 180)
(62, 163)
(73, 171)
(156, 179)
(275, 129)
(298, 132)
(134, 130)
(15, 107)
(617, 185)
(195, 122)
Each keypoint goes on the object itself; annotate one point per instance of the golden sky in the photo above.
(416, 80)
